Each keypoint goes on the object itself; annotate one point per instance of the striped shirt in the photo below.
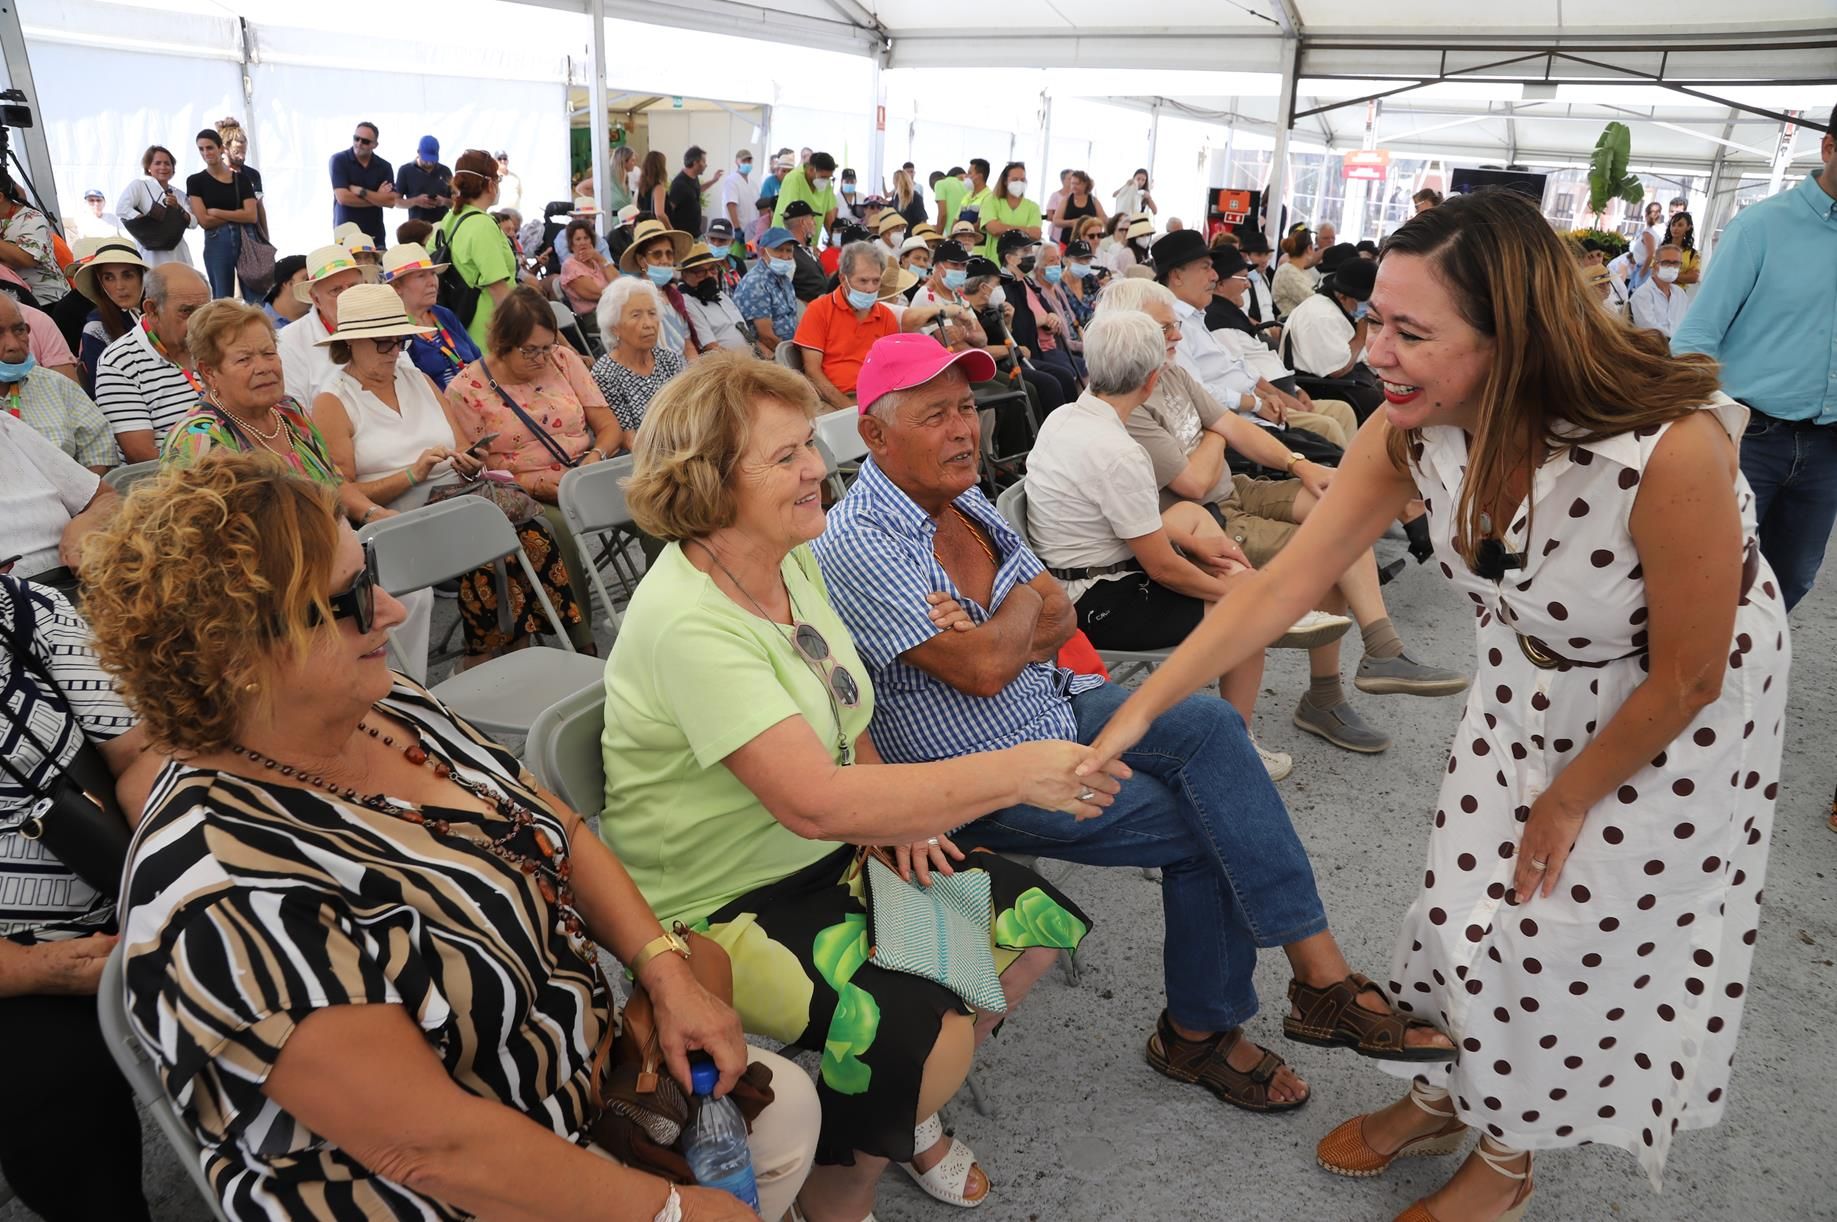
(41, 900)
(252, 904)
(877, 558)
(139, 390)
(61, 413)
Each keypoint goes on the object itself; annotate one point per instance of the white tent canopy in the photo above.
(1167, 84)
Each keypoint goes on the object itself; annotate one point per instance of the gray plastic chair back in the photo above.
(1012, 503)
(564, 750)
(125, 477)
(125, 1047)
(592, 501)
(788, 356)
(437, 542)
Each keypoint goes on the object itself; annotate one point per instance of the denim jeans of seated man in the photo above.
(1202, 808)
(1793, 472)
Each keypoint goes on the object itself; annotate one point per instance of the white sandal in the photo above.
(945, 1180)
(797, 1214)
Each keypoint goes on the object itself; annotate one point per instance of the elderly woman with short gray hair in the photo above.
(636, 364)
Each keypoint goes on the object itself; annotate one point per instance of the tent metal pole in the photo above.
(1718, 201)
(33, 152)
(1154, 136)
(1276, 193)
(877, 139)
(247, 34)
(1046, 174)
(597, 122)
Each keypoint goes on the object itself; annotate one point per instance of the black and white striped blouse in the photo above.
(250, 905)
(41, 900)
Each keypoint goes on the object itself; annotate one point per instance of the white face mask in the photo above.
(821, 184)
(997, 298)
(1667, 274)
(1017, 187)
(896, 239)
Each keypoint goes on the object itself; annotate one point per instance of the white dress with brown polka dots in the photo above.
(1608, 1011)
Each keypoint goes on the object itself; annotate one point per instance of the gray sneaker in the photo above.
(1342, 726)
(1403, 676)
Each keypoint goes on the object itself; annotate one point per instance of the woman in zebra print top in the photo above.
(368, 1006)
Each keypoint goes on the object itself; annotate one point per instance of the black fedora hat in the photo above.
(1228, 261)
(1355, 279)
(1253, 242)
(1177, 249)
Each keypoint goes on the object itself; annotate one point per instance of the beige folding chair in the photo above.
(436, 542)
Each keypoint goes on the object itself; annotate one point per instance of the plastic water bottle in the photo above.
(715, 1140)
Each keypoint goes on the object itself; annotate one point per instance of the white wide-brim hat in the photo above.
(372, 311)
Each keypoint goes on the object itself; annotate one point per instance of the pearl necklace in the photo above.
(551, 876)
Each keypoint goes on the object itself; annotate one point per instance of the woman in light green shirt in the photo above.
(740, 776)
(479, 250)
(1009, 208)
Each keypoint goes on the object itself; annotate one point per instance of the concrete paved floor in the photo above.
(1084, 1130)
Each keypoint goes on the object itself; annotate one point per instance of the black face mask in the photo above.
(1027, 265)
(707, 291)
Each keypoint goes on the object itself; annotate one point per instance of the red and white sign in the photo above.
(1232, 204)
(1368, 165)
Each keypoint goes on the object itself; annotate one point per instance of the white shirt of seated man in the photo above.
(1659, 303)
(1090, 489)
(1319, 338)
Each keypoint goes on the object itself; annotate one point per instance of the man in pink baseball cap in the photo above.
(900, 362)
(959, 625)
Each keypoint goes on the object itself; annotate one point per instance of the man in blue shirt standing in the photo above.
(426, 186)
(363, 184)
(1768, 311)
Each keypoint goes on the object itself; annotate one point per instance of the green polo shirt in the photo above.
(950, 192)
(1023, 215)
(797, 186)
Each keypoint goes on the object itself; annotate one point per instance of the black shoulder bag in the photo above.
(75, 814)
(536, 430)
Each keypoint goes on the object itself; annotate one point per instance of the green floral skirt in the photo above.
(802, 976)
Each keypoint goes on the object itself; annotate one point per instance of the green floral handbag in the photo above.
(940, 932)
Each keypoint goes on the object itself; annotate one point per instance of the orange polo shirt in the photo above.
(829, 326)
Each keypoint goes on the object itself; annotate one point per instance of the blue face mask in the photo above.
(720, 252)
(660, 276)
(10, 372)
(746, 168)
(1080, 270)
(783, 267)
(1361, 310)
(1054, 274)
(954, 277)
(861, 299)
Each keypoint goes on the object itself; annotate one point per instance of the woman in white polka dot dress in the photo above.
(1588, 912)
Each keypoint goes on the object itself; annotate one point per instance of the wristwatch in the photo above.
(1294, 460)
(669, 940)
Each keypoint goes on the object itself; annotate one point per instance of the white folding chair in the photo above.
(570, 329)
(788, 356)
(592, 501)
(126, 476)
(564, 750)
(840, 433)
(438, 542)
(124, 1046)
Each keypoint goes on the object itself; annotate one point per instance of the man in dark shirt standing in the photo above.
(809, 281)
(426, 186)
(683, 205)
(363, 184)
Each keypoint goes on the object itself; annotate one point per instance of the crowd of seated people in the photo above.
(798, 696)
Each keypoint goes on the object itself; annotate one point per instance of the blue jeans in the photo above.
(1201, 807)
(222, 247)
(1793, 472)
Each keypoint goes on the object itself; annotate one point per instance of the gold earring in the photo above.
(251, 687)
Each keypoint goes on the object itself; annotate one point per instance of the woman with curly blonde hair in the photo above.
(362, 943)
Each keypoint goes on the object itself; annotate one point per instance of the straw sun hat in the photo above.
(372, 311)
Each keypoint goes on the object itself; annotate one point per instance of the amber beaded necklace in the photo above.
(551, 876)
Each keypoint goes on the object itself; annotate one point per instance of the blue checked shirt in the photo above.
(1768, 306)
(763, 293)
(877, 559)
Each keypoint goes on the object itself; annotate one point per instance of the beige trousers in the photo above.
(1331, 419)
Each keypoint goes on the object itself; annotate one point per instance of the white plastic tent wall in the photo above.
(114, 78)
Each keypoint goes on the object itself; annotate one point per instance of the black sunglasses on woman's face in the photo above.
(358, 600)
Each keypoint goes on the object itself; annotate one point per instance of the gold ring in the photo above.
(1540, 864)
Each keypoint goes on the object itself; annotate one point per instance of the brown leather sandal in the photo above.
(1333, 1018)
(1203, 1063)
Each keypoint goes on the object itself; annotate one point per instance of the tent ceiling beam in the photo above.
(1659, 79)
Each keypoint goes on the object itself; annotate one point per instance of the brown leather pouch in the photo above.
(642, 1109)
